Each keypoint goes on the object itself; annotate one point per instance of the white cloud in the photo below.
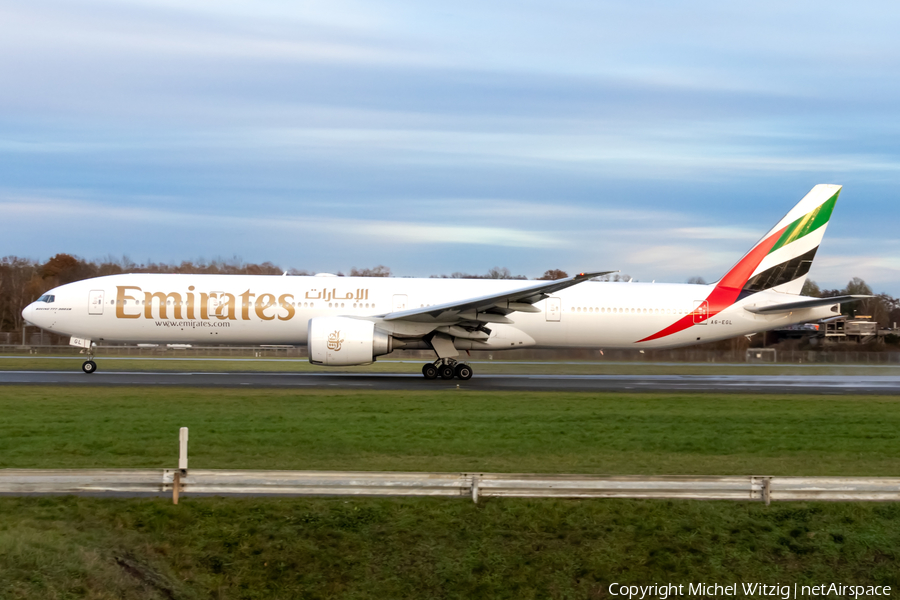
(97, 217)
(717, 233)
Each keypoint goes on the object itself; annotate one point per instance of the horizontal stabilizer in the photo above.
(801, 304)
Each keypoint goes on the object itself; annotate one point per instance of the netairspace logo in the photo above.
(662, 591)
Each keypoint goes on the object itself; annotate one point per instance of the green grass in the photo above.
(429, 548)
(361, 548)
(276, 365)
(451, 430)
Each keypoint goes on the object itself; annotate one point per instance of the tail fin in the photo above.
(779, 261)
(782, 258)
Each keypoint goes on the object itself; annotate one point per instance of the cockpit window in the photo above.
(48, 298)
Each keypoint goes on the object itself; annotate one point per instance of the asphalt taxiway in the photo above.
(768, 384)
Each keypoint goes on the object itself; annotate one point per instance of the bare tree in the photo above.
(495, 273)
(553, 274)
(379, 271)
(811, 288)
(18, 277)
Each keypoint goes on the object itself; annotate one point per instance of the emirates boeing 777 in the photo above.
(353, 320)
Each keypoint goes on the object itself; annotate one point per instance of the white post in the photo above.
(182, 448)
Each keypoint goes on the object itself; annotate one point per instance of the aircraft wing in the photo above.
(492, 308)
(801, 304)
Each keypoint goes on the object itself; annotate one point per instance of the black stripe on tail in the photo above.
(780, 274)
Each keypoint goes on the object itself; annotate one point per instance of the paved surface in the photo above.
(797, 384)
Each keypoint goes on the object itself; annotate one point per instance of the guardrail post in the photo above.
(475, 489)
(767, 490)
(182, 448)
(182, 463)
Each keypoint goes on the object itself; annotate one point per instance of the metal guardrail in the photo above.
(474, 485)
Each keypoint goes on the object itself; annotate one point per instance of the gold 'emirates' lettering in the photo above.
(265, 301)
(213, 305)
(190, 303)
(163, 304)
(245, 305)
(283, 301)
(121, 297)
(204, 306)
(226, 308)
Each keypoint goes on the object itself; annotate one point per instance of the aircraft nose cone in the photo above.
(28, 313)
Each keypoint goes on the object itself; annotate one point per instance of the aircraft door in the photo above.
(95, 302)
(701, 312)
(554, 309)
(399, 302)
(215, 304)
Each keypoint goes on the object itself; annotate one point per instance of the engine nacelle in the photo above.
(342, 341)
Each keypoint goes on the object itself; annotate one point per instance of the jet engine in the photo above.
(342, 341)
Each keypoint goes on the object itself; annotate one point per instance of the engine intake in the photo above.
(342, 341)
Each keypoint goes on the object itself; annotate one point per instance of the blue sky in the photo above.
(657, 138)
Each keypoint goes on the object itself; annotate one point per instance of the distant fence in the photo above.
(469, 485)
(594, 356)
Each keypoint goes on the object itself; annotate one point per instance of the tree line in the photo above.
(883, 308)
(24, 280)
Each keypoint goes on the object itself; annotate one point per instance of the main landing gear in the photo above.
(447, 368)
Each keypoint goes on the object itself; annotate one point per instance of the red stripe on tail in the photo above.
(726, 291)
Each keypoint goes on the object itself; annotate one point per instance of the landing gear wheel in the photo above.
(446, 371)
(463, 372)
(89, 366)
(430, 371)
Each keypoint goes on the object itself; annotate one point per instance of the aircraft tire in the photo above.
(446, 372)
(430, 371)
(89, 366)
(463, 372)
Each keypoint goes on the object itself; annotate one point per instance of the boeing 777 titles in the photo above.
(352, 320)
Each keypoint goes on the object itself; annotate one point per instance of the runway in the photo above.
(766, 384)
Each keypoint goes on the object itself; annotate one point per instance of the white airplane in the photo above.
(352, 320)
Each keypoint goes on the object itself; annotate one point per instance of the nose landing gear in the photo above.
(447, 368)
(89, 366)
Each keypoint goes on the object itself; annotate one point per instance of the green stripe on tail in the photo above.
(807, 223)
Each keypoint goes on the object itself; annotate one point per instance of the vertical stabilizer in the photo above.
(781, 259)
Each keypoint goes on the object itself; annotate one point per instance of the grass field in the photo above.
(67, 547)
(451, 430)
(270, 365)
(429, 548)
